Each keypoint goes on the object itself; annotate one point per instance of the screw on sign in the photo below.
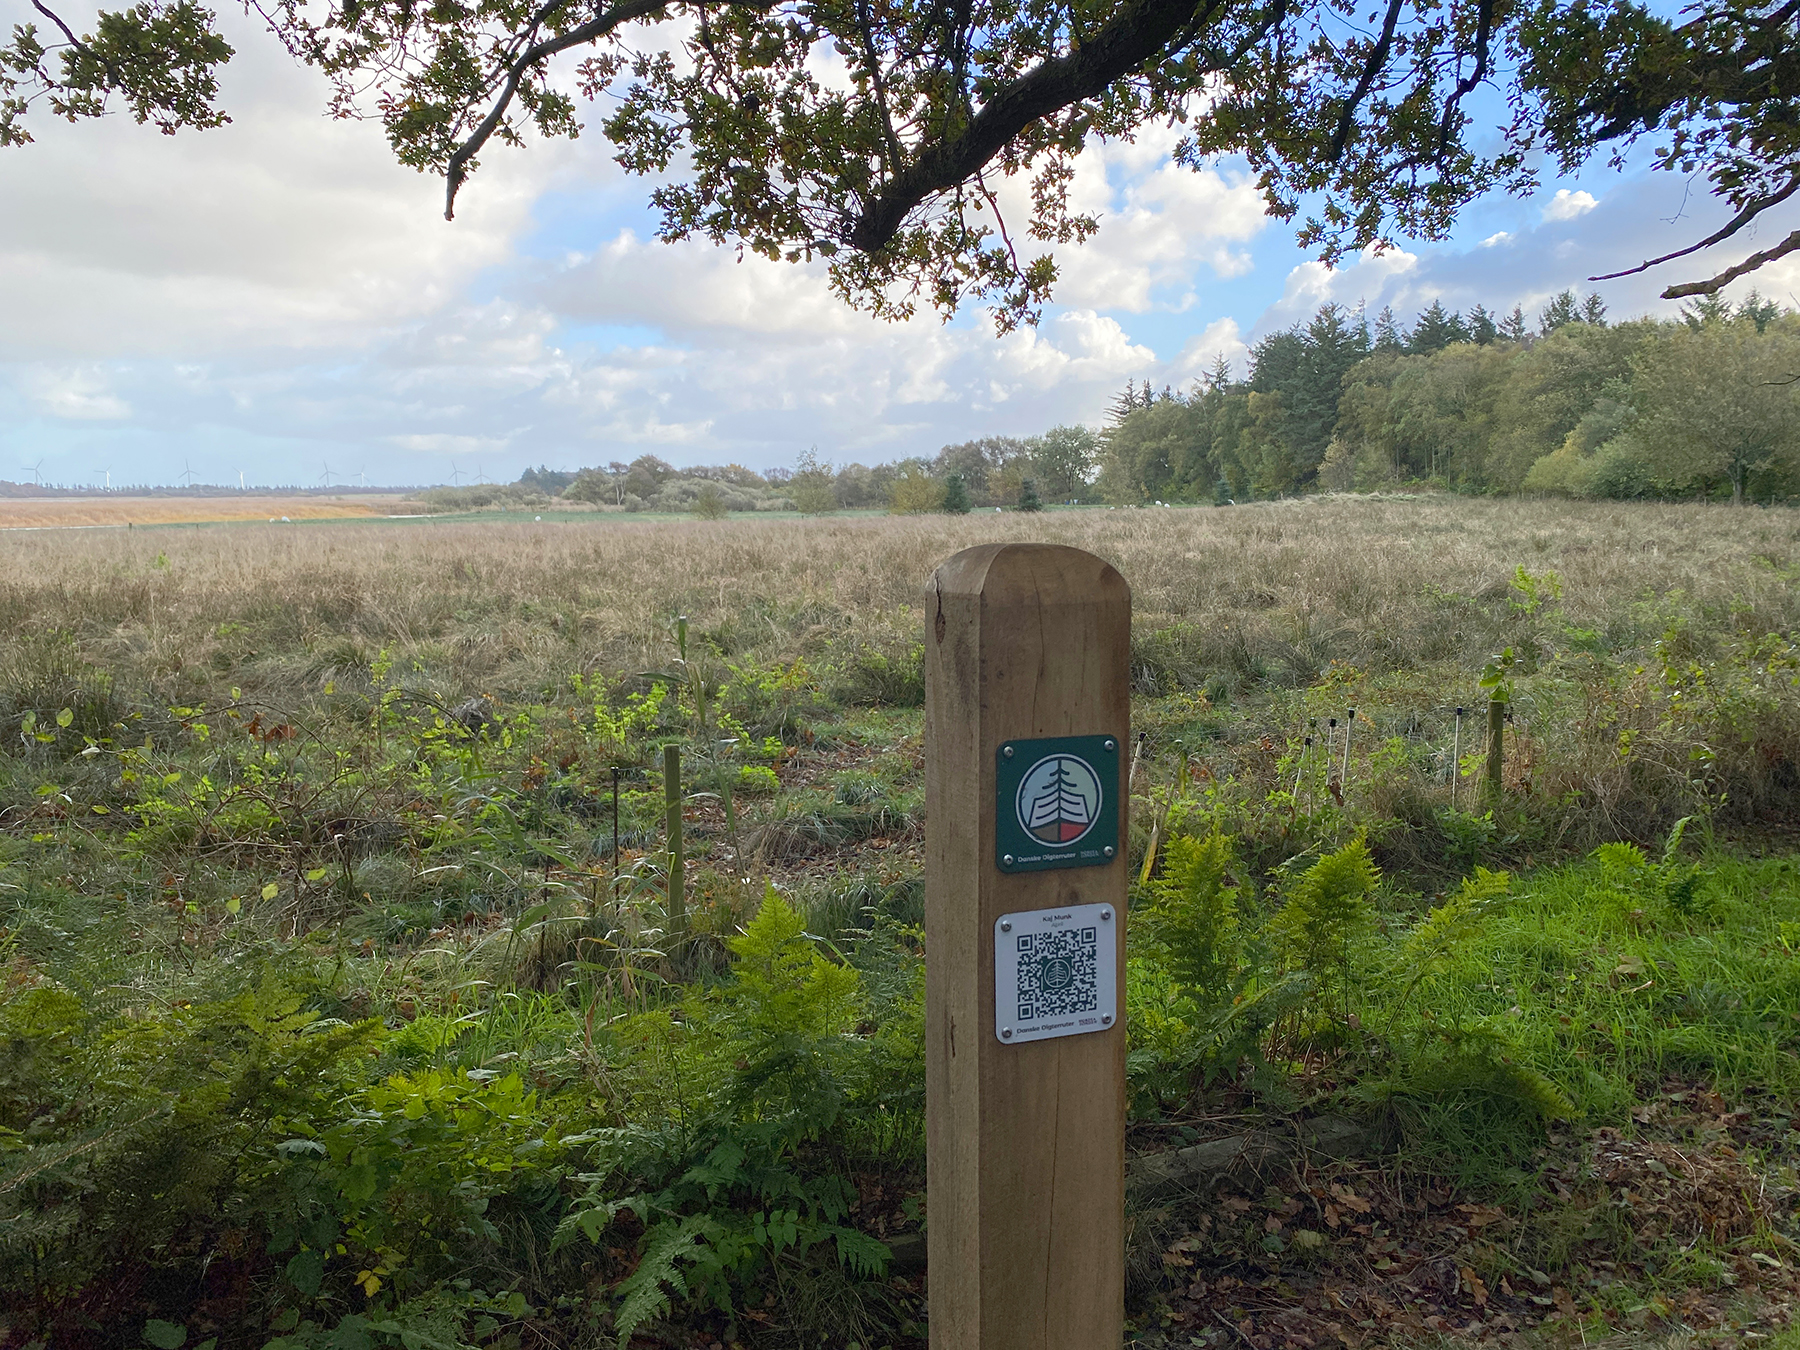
(1027, 704)
(1053, 808)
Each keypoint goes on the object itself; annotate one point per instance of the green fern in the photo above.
(860, 1254)
(1328, 910)
(647, 1291)
(784, 985)
(1192, 918)
(1621, 861)
(1482, 1061)
(1626, 868)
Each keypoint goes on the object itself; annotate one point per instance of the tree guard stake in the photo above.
(677, 863)
(1455, 757)
(1027, 714)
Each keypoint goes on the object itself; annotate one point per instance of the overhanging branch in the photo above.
(1743, 218)
(113, 73)
(1143, 31)
(1372, 68)
(1789, 245)
(597, 27)
(1484, 32)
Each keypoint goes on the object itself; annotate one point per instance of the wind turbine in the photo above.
(325, 477)
(108, 473)
(33, 470)
(187, 473)
(240, 480)
(456, 475)
(480, 477)
(362, 477)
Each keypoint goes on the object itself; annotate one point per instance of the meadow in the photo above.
(110, 510)
(342, 1009)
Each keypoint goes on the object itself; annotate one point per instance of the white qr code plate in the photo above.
(1056, 973)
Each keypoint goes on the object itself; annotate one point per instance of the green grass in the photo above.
(1593, 978)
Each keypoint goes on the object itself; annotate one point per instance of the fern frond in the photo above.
(646, 1291)
(1330, 906)
(864, 1256)
(1450, 927)
(1618, 859)
(1193, 915)
(1482, 1060)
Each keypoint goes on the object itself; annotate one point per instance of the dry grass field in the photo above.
(1365, 579)
(1265, 614)
(46, 513)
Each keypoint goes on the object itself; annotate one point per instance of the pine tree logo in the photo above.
(1059, 799)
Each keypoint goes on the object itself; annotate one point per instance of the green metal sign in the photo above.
(1057, 803)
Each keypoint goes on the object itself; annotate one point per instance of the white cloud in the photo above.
(444, 444)
(1567, 205)
(1495, 240)
(694, 289)
(285, 228)
(79, 394)
(1160, 223)
(1372, 278)
(1220, 338)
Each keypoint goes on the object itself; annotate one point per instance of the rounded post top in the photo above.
(1026, 572)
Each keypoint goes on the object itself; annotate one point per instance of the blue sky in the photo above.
(277, 299)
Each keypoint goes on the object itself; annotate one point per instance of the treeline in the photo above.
(1702, 406)
(1707, 405)
(995, 471)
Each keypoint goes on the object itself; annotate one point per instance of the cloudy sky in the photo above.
(278, 299)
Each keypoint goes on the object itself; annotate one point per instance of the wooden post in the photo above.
(1496, 744)
(1025, 1136)
(677, 865)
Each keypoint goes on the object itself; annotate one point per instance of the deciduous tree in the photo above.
(1063, 460)
(1718, 403)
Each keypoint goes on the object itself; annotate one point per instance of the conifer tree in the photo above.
(1512, 327)
(1129, 401)
(1028, 496)
(1437, 329)
(956, 495)
(1566, 309)
(1707, 309)
(1759, 311)
(1388, 335)
(1483, 331)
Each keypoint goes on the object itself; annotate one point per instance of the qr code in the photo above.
(1058, 973)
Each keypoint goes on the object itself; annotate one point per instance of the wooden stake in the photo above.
(1025, 1141)
(1455, 757)
(1496, 746)
(677, 864)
